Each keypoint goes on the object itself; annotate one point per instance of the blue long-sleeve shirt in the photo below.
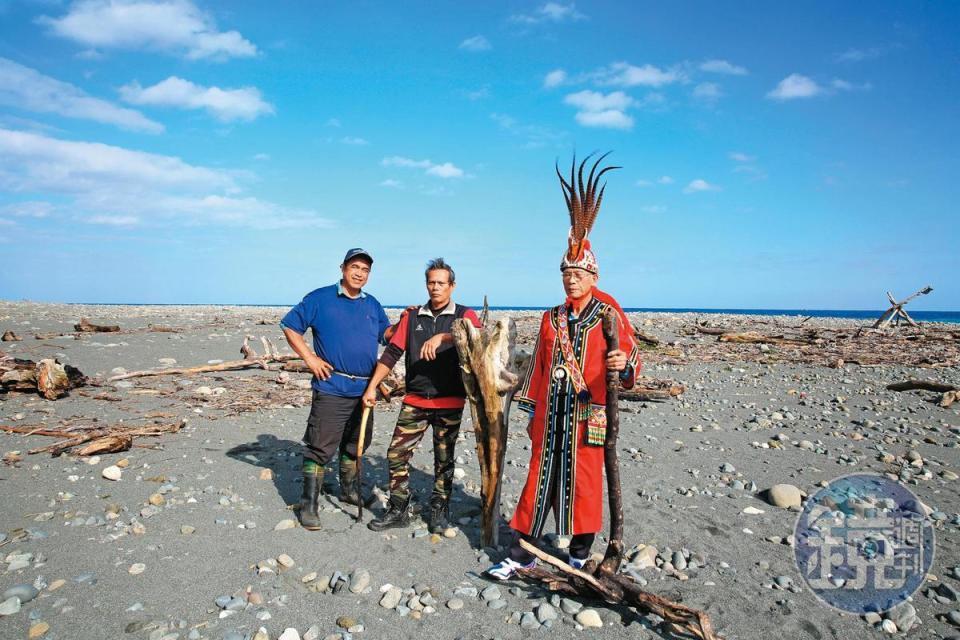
(346, 332)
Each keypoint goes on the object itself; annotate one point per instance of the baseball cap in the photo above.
(353, 253)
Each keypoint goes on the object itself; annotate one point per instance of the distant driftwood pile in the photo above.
(49, 378)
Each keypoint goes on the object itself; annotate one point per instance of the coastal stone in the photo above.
(186, 530)
(490, 593)
(285, 561)
(454, 604)
(889, 626)
(570, 607)
(679, 562)
(546, 612)
(529, 621)
(645, 557)
(25, 592)
(391, 598)
(137, 568)
(37, 630)
(359, 580)
(157, 500)
(113, 472)
(784, 496)
(465, 592)
(345, 622)
(10, 606)
(753, 511)
(283, 525)
(904, 616)
(589, 618)
(290, 634)
(261, 634)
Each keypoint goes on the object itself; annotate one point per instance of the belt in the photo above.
(350, 375)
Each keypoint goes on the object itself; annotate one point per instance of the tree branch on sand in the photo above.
(110, 439)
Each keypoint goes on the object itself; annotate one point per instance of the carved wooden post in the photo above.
(614, 553)
(484, 358)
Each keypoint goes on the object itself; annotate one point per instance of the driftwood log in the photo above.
(10, 336)
(485, 356)
(896, 311)
(48, 377)
(97, 440)
(603, 580)
(950, 393)
(85, 326)
(251, 360)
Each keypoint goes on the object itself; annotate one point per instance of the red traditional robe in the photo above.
(562, 464)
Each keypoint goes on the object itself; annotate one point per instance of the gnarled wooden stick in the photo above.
(484, 358)
(614, 553)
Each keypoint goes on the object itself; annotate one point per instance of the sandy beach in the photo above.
(198, 539)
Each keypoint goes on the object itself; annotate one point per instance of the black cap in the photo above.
(353, 253)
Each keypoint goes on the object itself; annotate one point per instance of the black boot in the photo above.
(310, 502)
(348, 485)
(397, 515)
(439, 515)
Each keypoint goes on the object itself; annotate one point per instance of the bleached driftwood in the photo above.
(485, 356)
(98, 440)
(896, 312)
(950, 393)
(85, 326)
(48, 377)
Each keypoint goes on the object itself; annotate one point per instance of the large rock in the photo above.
(784, 496)
(589, 618)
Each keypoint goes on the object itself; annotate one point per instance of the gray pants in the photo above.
(334, 423)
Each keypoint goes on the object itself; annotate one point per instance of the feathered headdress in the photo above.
(583, 203)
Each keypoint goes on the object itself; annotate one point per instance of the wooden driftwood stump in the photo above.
(603, 580)
(485, 356)
(48, 377)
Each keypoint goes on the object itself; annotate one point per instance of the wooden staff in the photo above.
(360, 440)
(614, 553)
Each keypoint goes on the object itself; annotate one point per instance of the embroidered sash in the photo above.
(572, 366)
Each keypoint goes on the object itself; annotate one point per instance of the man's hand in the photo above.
(616, 360)
(429, 349)
(320, 367)
(369, 398)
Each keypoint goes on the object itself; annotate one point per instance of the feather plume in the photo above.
(583, 201)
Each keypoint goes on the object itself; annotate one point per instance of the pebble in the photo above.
(289, 634)
(589, 618)
(529, 621)
(391, 598)
(784, 496)
(10, 606)
(889, 626)
(490, 593)
(359, 580)
(345, 622)
(570, 607)
(953, 617)
(285, 561)
(136, 569)
(113, 472)
(546, 612)
(25, 592)
(753, 511)
(37, 630)
(285, 524)
(187, 530)
(454, 604)
(465, 592)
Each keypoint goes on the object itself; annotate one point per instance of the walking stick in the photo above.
(360, 438)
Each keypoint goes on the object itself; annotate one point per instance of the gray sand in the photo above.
(748, 416)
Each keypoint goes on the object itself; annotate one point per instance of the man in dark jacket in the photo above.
(435, 397)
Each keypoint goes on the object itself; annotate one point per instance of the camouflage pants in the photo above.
(411, 425)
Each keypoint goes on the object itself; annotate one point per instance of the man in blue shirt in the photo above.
(347, 323)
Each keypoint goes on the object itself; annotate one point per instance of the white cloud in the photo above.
(550, 12)
(859, 55)
(843, 85)
(699, 185)
(609, 118)
(28, 209)
(25, 88)
(355, 141)
(7, 223)
(665, 180)
(555, 78)
(390, 183)
(643, 183)
(261, 157)
(795, 86)
(653, 208)
(173, 26)
(624, 74)
(479, 94)
(444, 170)
(116, 221)
(707, 91)
(594, 101)
(116, 183)
(739, 156)
(226, 105)
(476, 43)
(601, 110)
(722, 66)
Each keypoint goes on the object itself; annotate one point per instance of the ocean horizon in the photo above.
(950, 317)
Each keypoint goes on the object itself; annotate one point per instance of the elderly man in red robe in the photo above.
(564, 392)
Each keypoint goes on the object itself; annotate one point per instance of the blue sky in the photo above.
(774, 155)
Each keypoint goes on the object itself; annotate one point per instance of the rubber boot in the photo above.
(439, 515)
(310, 501)
(348, 484)
(397, 515)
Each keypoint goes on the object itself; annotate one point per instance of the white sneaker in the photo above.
(507, 568)
(577, 563)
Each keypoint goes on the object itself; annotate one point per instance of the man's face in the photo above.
(578, 282)
(355, 272)
(439, 287)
